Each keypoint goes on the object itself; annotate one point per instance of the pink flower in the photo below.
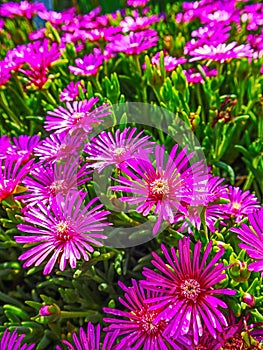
(77, 115)
(71, 91)
(63, 231)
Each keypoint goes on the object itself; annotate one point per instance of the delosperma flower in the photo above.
(46, 182)
(76, 115)
(59, 147)
(136, 326)
(14, 341)
(89, 64)
(63, 232)
(221, 52)
(23, 147)
(240, 203)
(135, 42)
(11, 176)
(166, 188)
(71, 91)
(91, 339)
(108, 149)
(22, 9)
(252, 239)
(189, 300)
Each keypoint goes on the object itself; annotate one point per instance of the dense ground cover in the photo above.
(131, 177)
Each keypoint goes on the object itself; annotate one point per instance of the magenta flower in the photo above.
(163, 189)
(46, 182)
(60, 147)
(89, 64)
(5, 145)
(136, 326)
(39, 55)
(137, 23)
(252, 239)
(77, 115)
(22, 9)
(23, 148)
(14, 341)
(105, 34)
(194, 76)
(108, 149)
(71, 91)
(137, 3)
(170, 63)
(221, 52)
(64, 231)
(188, 297)
(240, 203)
(57, 18)
(11, 176)
(135, 42)
(4, 73)
(90, 340)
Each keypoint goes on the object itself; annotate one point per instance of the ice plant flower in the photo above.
(164, 189)
(170, 63)
(64, 232)
(14, 341)
(22, 9)
(23, 147)
(5, 75)
(221, 52)
(194, 76)
(11, 176)
(60, 147)
(76, 115)
(108, 149)
(252, 239)
(90, 340)
(188, 297)
(137, 3)
(135, 42)
(136, 327)
(71, 91)
(240, 203)
(137, 23)
(89, 64)
(46, 182)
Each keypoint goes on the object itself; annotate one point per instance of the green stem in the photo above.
(96, 83)
(137, 64)
(71, 314)
(49, 98)
(4, 104)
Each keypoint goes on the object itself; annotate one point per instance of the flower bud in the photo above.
(249, 299)
(239, 271)
(50, 312)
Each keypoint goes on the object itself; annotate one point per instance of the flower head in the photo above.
(4, 73)
(135, 42)
(77, 115)
(137, 3)
(221, 52)
(89, 64)
(170, 63)
(64, 231)
(22, 9)
(23, 147)
(71, 91)
(46, 182)
(194, 76)
(108, 149)
(59, 147)
(186, 283)
(90, 340)
(14, 341)
(136, 327)
(11, 176)
(240, 203)
(164, 188)
(137, 23)
(252, 239)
